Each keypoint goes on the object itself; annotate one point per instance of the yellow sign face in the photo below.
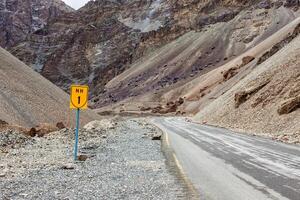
(79, 97)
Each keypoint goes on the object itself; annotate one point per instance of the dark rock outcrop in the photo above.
(19, 18)
(289, 106)
(243, 96)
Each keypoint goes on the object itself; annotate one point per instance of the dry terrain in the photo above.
(123, 162)
(220, 61)
(265, 101)
(28, 99)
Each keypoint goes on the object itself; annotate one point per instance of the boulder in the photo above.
(243, 96)
(60, 125)
(82, 158)
(156, 137)
(179, 102)
(229, 73)
(157, 109)
(3, 122)
(247, 59)
(41, 130)
(99, 125)
(68, 166)
(32, 132)
(289, 106)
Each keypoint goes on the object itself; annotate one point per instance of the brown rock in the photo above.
(3, 122)
(157, 109)
(246, 60)
(229, 73)
(171, 103)
(168, 109)
(243, 96)
(41, 130)
(289, 106)
(172, 109)
(82, 158)
(180, 101)
(60, 125)
(32, 132)
(279, 45)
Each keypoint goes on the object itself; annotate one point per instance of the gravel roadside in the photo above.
(123, 163)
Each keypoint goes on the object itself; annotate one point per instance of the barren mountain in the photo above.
(164, 56)
(179, 68)
(28, 99)
(228, 74)
(104, 38)
(266, 100)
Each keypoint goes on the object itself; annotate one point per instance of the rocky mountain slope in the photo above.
(178, 68)
(266, 100)
(246, 86)
(165, 56)
(104, 38)
(19, 18)
(28, 99)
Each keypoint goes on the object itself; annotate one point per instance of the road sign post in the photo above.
(78, 101)
(76, 134)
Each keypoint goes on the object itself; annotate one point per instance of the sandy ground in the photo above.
(28, 99)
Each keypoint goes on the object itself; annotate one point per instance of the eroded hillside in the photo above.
(266, 101)
(28, 99)
(104, 38)
(164, 56)
(192, 65)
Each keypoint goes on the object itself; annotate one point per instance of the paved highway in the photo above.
(229, 166)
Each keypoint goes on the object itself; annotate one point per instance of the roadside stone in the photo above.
(289, 106)
(3, 122)
(32, 132)
(82, 157)
(60, 125)
(156, 137)
(68, 166)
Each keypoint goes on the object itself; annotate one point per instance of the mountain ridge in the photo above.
(161, 56)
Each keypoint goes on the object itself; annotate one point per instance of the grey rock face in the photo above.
(18, 18)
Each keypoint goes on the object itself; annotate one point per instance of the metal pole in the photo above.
(76, 134)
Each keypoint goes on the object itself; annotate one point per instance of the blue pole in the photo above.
(76, 134)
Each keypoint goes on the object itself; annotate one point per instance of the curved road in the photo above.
(225, 165)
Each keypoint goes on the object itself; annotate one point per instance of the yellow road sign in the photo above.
(79, 97)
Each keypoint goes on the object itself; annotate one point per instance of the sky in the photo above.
(76, 3)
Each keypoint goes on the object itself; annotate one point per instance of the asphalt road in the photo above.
(229, 166)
